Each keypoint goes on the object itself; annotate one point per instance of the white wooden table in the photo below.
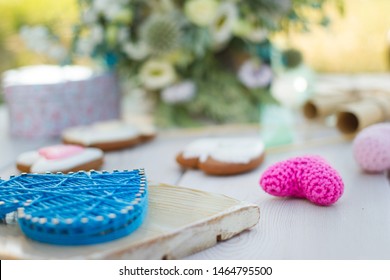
(356, 227)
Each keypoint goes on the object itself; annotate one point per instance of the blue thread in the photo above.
(78, 208)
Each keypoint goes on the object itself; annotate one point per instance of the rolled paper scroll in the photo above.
(357, 115)
(322, 105)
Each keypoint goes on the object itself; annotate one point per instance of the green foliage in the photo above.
(223, 98)
(220, 98)
(207, 53)
(198, 40)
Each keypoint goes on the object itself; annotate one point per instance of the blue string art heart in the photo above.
(76, 208)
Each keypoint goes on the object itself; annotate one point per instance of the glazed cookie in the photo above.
(60, 158)
(223, 156)
(108, 136)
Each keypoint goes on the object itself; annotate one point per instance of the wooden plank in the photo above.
(356, 227)
(180, 222)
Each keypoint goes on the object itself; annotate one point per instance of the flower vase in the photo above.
(277, 126)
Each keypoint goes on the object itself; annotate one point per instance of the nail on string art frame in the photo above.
(76, 208)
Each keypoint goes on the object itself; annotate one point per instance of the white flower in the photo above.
(293, 88)
(283, 91)
(108, 8)
(179, 93)
(113, 11)
(201, 12)
(249, 31)
(97, 34)
(89, 16)
(222, 25)
(254, 74)
(157, 74)
(136, 51)
(100, 5)
(84, 46)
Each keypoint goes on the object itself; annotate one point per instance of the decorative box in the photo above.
(43, 100)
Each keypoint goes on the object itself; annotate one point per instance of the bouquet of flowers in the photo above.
(198, 60)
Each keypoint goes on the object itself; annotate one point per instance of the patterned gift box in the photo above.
(66, 97)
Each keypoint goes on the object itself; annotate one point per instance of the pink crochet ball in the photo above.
(371, 148)
(309, 177)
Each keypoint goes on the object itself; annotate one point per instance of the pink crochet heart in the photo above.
(310, 177)
(371, 148)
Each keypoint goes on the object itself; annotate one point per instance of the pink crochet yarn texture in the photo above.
(310, 177)
(371, 148)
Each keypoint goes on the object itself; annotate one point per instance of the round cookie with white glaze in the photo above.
(109, 135)
(223, 156)
(60, 158)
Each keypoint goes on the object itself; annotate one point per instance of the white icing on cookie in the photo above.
(229, 150)
(39, 164)
(105, 132)
(200, 148)
(147, 130)
(241, 150)
(28, 158)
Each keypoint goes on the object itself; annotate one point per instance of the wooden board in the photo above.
(180, 222)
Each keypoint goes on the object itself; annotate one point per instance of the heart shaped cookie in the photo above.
(223, 156)
(76, 208)
(309, 177)
(109, 135)
(60, 158)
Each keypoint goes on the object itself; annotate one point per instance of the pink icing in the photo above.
(310, 177)
(60, 151)
(371, 148)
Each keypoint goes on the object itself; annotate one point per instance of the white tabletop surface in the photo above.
(356, 227)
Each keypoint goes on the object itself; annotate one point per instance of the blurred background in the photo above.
(358, 40)
(174, 66)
